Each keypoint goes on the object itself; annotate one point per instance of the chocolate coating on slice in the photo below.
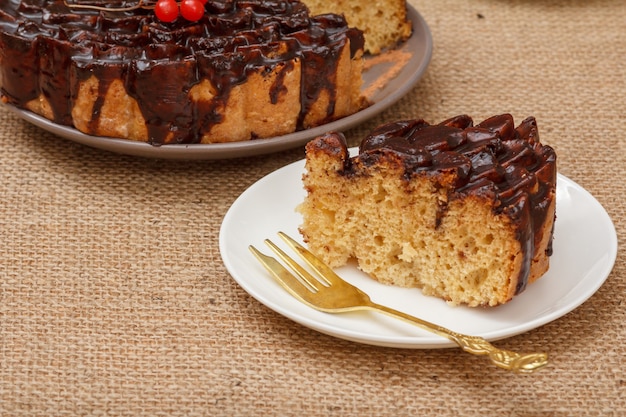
(47, 48)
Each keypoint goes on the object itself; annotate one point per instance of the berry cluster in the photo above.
(168, 10)
(165, 10)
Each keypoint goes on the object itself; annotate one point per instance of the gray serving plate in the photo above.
(386, 80)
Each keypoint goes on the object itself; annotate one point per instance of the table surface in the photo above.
(114, 299)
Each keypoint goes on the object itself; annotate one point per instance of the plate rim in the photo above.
(417, 342)
(251, 147)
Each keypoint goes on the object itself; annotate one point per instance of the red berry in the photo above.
(166, 10)
(192, 10)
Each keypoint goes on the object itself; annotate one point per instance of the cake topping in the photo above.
(493, 155)
(165, 10)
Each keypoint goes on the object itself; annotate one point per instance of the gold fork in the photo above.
(331, 294)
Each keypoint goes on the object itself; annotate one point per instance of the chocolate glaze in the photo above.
(493, 159)
(47, 48)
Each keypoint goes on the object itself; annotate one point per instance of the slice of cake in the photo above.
(246, 69)
(384, 23)
(463, 212)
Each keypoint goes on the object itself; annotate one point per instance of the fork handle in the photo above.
(506, 359)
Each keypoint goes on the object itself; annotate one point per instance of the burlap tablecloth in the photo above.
(114, 299)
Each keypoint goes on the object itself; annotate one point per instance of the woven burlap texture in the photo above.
(114, 299)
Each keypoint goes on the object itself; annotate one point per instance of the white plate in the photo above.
(585, 249)
(383, 84)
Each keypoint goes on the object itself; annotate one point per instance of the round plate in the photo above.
(585, 249)
(383, 84)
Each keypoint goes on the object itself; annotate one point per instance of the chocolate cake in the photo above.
(464, 212)
(245, 70)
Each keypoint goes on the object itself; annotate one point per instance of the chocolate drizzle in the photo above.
(493, 159)
(47, 49)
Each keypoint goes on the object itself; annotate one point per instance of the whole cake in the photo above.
(384, 23)
(464, 212)
(244, 70)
